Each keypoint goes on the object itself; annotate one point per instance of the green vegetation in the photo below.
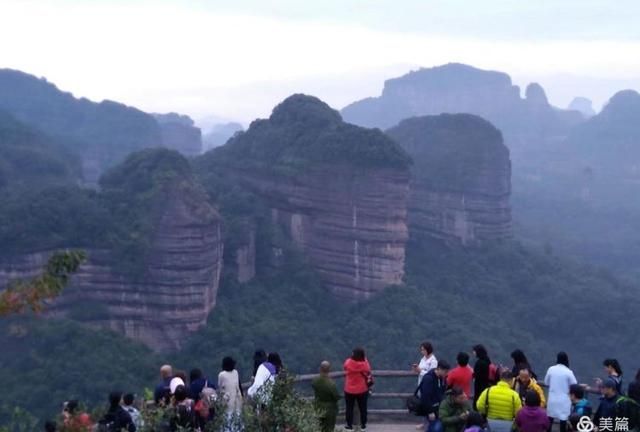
(504, 296)
(46, 362)
(452, 151)
(121, 217)
(304, 130)
(33, 293)
(29, 158)
(104, 132)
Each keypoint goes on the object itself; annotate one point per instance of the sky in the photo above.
(235, 60)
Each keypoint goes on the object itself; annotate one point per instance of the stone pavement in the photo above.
(387, 427)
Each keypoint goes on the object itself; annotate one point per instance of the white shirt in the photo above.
(426, 364)
(229, 387)
(559, 378)
(262, 377)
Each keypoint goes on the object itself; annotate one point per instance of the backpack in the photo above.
(108, 423)
(185, 416)
(494, 373)
(205, 407)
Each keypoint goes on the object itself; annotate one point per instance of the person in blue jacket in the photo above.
(432, 389)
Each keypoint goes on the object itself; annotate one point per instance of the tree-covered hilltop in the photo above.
(452, 151)
(122, 216)
(30, 159)
(611, 139)
(303, 130)
(102, 133)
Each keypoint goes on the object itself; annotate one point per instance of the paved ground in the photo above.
(389, 427)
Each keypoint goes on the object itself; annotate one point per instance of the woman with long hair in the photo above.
(559, 378)
(614, 372)
(480, 371)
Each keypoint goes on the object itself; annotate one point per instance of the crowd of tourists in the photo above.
(510, 398)
(485, 397)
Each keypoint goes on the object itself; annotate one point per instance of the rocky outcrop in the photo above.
(527, 123)
(179, 133)
(582, 105)
(171, 298)
(461, 178)
(339, 192)
(609, 143)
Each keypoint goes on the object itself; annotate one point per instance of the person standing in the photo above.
(432, 389)
(356, 387)
(462, 375)
(614, 372)
(127, 403)
(229, 387)
(500, 404)
(265, 375)
(116, 418)
(532, 417)
(559, 379)
(480, 372)
(162, 391)
(634, 388)
(428, 361)
(326, 398)
(520, 362)
(524, 382)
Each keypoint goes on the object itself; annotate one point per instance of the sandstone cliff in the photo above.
(179, 133)
(461, 178)
(338, 192)
(155, 276)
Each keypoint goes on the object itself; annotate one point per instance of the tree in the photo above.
(33, 294)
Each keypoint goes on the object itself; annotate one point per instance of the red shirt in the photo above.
(355, 380)
(461, 377)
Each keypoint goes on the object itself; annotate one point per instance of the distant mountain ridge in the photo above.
(102, 134)
(457, 88)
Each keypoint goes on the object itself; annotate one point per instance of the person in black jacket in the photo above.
(520, 362)
(432, 389)
(634, 388)
(117, 418)
(480, 372)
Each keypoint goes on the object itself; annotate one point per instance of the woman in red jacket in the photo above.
(356, 386)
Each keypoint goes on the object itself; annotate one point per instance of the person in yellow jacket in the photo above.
(524, 382)
(500, 404)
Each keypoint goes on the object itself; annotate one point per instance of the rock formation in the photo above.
(179, 133)
(582, 105)
(338, 191)
(457, 88)
(461, 178)
(609, 142)
(176, 239)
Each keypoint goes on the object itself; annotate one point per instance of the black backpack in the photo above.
(185, 416)
(108, 423)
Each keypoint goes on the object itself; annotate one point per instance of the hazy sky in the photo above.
(236, 59)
